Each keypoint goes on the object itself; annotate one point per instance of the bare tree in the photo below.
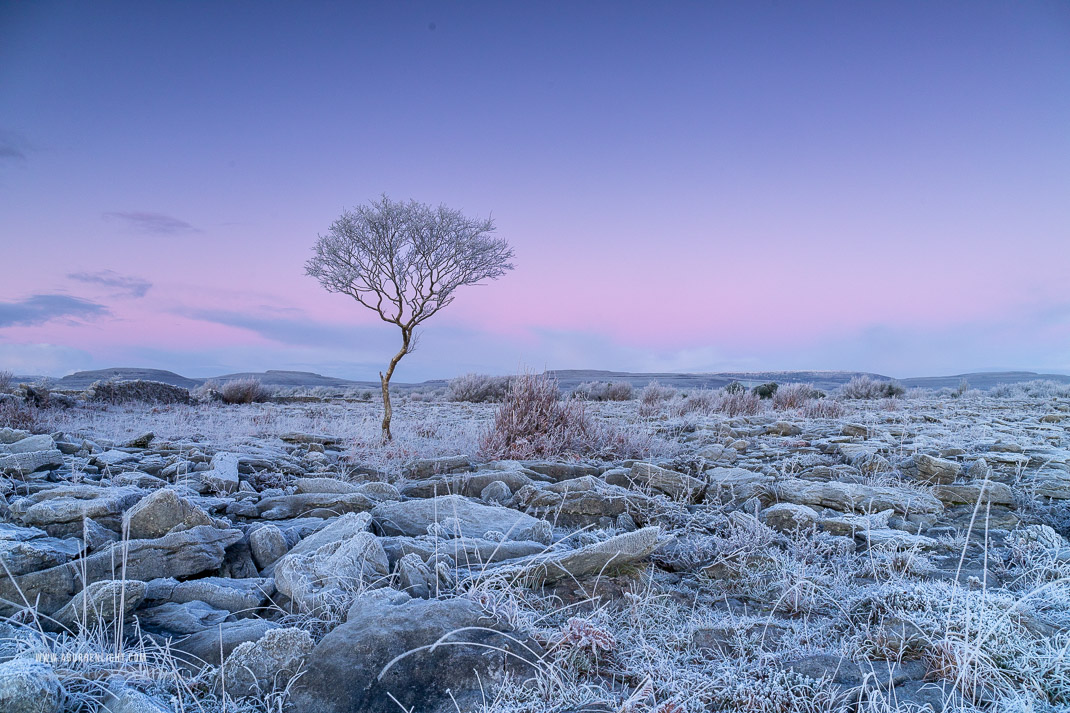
(405, 261)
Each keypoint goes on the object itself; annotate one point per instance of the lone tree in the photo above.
(405, 261)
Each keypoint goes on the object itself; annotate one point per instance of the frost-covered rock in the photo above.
(457, 516)
(29, 687)
(257, 668)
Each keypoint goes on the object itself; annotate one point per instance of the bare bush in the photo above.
(746, 403)
(478, 388)
(824, 408)
(6, 379)
(207, 392)
(19, 416)
(245, 391)
(866, 387)
(604, 391)
(793, 396)
(534, 422)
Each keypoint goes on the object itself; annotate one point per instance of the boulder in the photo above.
(668, 482)
(28, 549)
(69, 505)
(789, 517)
(266, 665)
(223, 475)
(31, 444)
(120, 699)
(930, 470)
(328, 578)
(579, 502)
(267, 544)
(159, 513)
(356, 667)
(102, 603)
(205, 647)
(457, 516)
(971, 493)
(29, 687)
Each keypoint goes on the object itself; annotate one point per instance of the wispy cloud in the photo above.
(126, 285)
(39, 309)
(296, 329)
(13, 148)
(155, 223)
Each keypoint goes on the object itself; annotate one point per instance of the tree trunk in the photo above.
(385, 380)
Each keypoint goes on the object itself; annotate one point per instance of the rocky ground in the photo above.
(904, 554)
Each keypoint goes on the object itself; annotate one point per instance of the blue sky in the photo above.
(690, 186)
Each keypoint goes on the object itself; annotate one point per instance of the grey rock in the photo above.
(32, 444)
(414, 577)
(257, 668)
(789, 517)
(223, 476)
(31, 554)
(205, 647)
(102, 603)
(347, 671)
(970, 493)
(176, 554)
(662, 480)
(121, 699)
(23, 464)
(328, 578)
(496, 493)
(12, 435)
(29, 687)
(930, 470)
(182, 618)
(71, 504)
(426, 467)
(161, 512)
(267, 544)
(853, 497)
(457, 516)
(604, 557)
(233, 595)
(325, 505)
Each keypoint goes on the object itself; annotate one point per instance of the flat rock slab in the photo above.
(604, 557)
(457, 516)
(853, 497)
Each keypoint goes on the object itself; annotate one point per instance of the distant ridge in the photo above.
(567, 378)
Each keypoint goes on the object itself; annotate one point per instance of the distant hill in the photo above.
(566, 378)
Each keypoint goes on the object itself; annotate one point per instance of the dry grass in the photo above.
(245, 391)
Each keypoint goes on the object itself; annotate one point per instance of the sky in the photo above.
(688, 186)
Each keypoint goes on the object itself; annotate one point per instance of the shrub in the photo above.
(746, 403)
(207, 392)
(6, 377)
(534, 422)
(19, 416)
(765, 391)
(478, 388)
(245, 391)
(702, 401)
(866, 387)
(735, 387)
(824, 408)
(603, 391)
(792, 396)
